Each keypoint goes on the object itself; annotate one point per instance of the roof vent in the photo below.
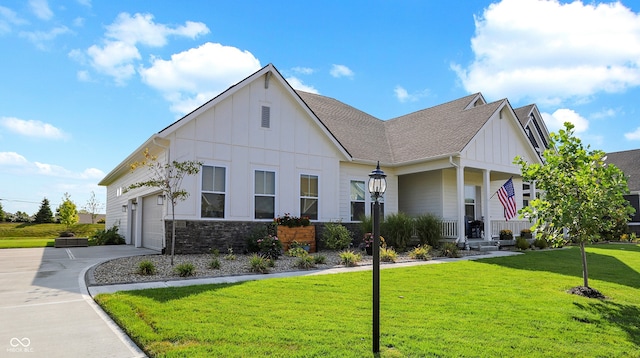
(266, 117)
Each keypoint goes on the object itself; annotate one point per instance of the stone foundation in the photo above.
(202, 236)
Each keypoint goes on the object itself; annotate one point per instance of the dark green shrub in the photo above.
(185, 269)
(258, 264)
(319, 259)
(305, 262)
(450, 249)
(336, 237)
(422, 252)
(522, 243)
(429, 229)
(107, 237)
(397, 230)
(349, 258)
(541, 243)
(297, 252)
(292, 221)
(388, 254)
(366, 224)
(214, 264)
(146, 267)
(263, 242)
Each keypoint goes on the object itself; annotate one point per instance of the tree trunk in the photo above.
(585, 271)
(173, 230)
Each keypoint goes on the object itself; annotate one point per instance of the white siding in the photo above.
(352, 171)
(421, 193)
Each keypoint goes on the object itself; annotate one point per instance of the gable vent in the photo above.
(266, 117)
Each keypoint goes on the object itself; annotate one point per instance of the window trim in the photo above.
(300, 197)
(364, 201)
(275, 191)
(226, 191)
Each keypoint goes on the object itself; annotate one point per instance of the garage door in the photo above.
(152, 232)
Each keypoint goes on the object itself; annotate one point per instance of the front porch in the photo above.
(450, 228)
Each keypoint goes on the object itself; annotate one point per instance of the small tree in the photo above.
(2, 214)
(581, 194)
(167, 177)
(44, 214)
(93, 206)
(67, 212)
(21, 217)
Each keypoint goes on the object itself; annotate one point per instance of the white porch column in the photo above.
(460, 191)
(486, 193)
(532, 190)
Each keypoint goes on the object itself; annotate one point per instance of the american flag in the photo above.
(506, 194)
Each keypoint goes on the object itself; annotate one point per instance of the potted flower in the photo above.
(298, 229)
(526, 234)
(506, 234)
(368, 243)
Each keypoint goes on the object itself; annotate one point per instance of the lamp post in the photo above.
(377, 187)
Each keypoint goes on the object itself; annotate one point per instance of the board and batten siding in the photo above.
(230, 134)
(421, 193)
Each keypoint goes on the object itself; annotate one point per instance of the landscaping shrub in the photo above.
(336, 236)
(264, 243)
(541, 243)
(450, 249)
(185, 269)
(297, 252)
(366, 223)
(397, 230)
(107, 237)
(429, 229)
(349, 258)
(146, 267)
(214, 264)
(522, 243)
(230, 256)
(319, 259)
(422, 252)
(258, 264)
(305, 262)
(388, 254)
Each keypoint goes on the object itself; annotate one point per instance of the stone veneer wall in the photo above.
(201, 236)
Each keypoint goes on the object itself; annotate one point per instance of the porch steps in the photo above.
(483, 245)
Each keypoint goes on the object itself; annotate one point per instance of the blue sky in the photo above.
(83, 83)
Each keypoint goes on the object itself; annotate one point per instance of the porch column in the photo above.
(486, 193)
(462, 224)
(532, 190)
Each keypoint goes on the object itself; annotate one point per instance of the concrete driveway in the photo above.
(46, 311)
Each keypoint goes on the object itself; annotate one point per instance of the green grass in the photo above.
(503, 307)
(25, 235)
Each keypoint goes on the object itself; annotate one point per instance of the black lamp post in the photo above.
(377, 187)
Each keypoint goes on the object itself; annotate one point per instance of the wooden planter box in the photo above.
(301, 234)
(72, 242)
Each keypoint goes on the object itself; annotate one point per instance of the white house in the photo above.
(268, 149)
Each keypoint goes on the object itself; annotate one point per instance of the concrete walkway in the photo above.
(94, 290)
(45, 308)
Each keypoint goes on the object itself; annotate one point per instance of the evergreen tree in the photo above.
(2, 214)
(67, 212)
(44, 215)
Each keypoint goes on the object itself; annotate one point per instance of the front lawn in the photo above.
(506, 307)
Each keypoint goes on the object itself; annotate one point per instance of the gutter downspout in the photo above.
(460, 201)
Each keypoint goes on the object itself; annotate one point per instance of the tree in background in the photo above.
(166, 177)
(44, 214)
(93, 206)
(581, 193)
(2, 214)
(67, 212)
(21, 217)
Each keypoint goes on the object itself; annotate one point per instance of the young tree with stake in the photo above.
(581, 194)
(166, 177)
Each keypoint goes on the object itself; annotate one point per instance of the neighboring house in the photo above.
(629, 162)
(268, 149)
(85, 218)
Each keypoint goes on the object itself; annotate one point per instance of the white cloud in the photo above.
(83, 76)
(12, 158)
(577, 51)
(303, 70)
(556, 120)
(338, 71)
(31, 128)
(18, 164)
(8, 18)
(86, 3)
(117, 54)
(41, 9)
(404, 96)
(633, 135)
(194, 76)
(297, 84)
(604, 113)
(41, 38)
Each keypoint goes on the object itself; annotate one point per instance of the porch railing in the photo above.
(514, 225)
(449, 228)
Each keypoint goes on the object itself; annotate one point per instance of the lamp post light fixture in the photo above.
(377, 187)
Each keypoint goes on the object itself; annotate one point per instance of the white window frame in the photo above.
(225, 192)
(363, 201)
(300, 196)
(275, 192)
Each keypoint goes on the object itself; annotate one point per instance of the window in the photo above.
(265, 194)
(357, 200)
(266, 117)
(470, 201)
(213, 192)
(309, 196)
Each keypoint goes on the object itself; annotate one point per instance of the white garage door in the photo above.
(152, 233)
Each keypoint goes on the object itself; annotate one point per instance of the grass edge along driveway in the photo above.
(508, 307)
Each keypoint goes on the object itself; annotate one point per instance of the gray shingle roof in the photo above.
(629, 162)
(523, 113)
(441, 130)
